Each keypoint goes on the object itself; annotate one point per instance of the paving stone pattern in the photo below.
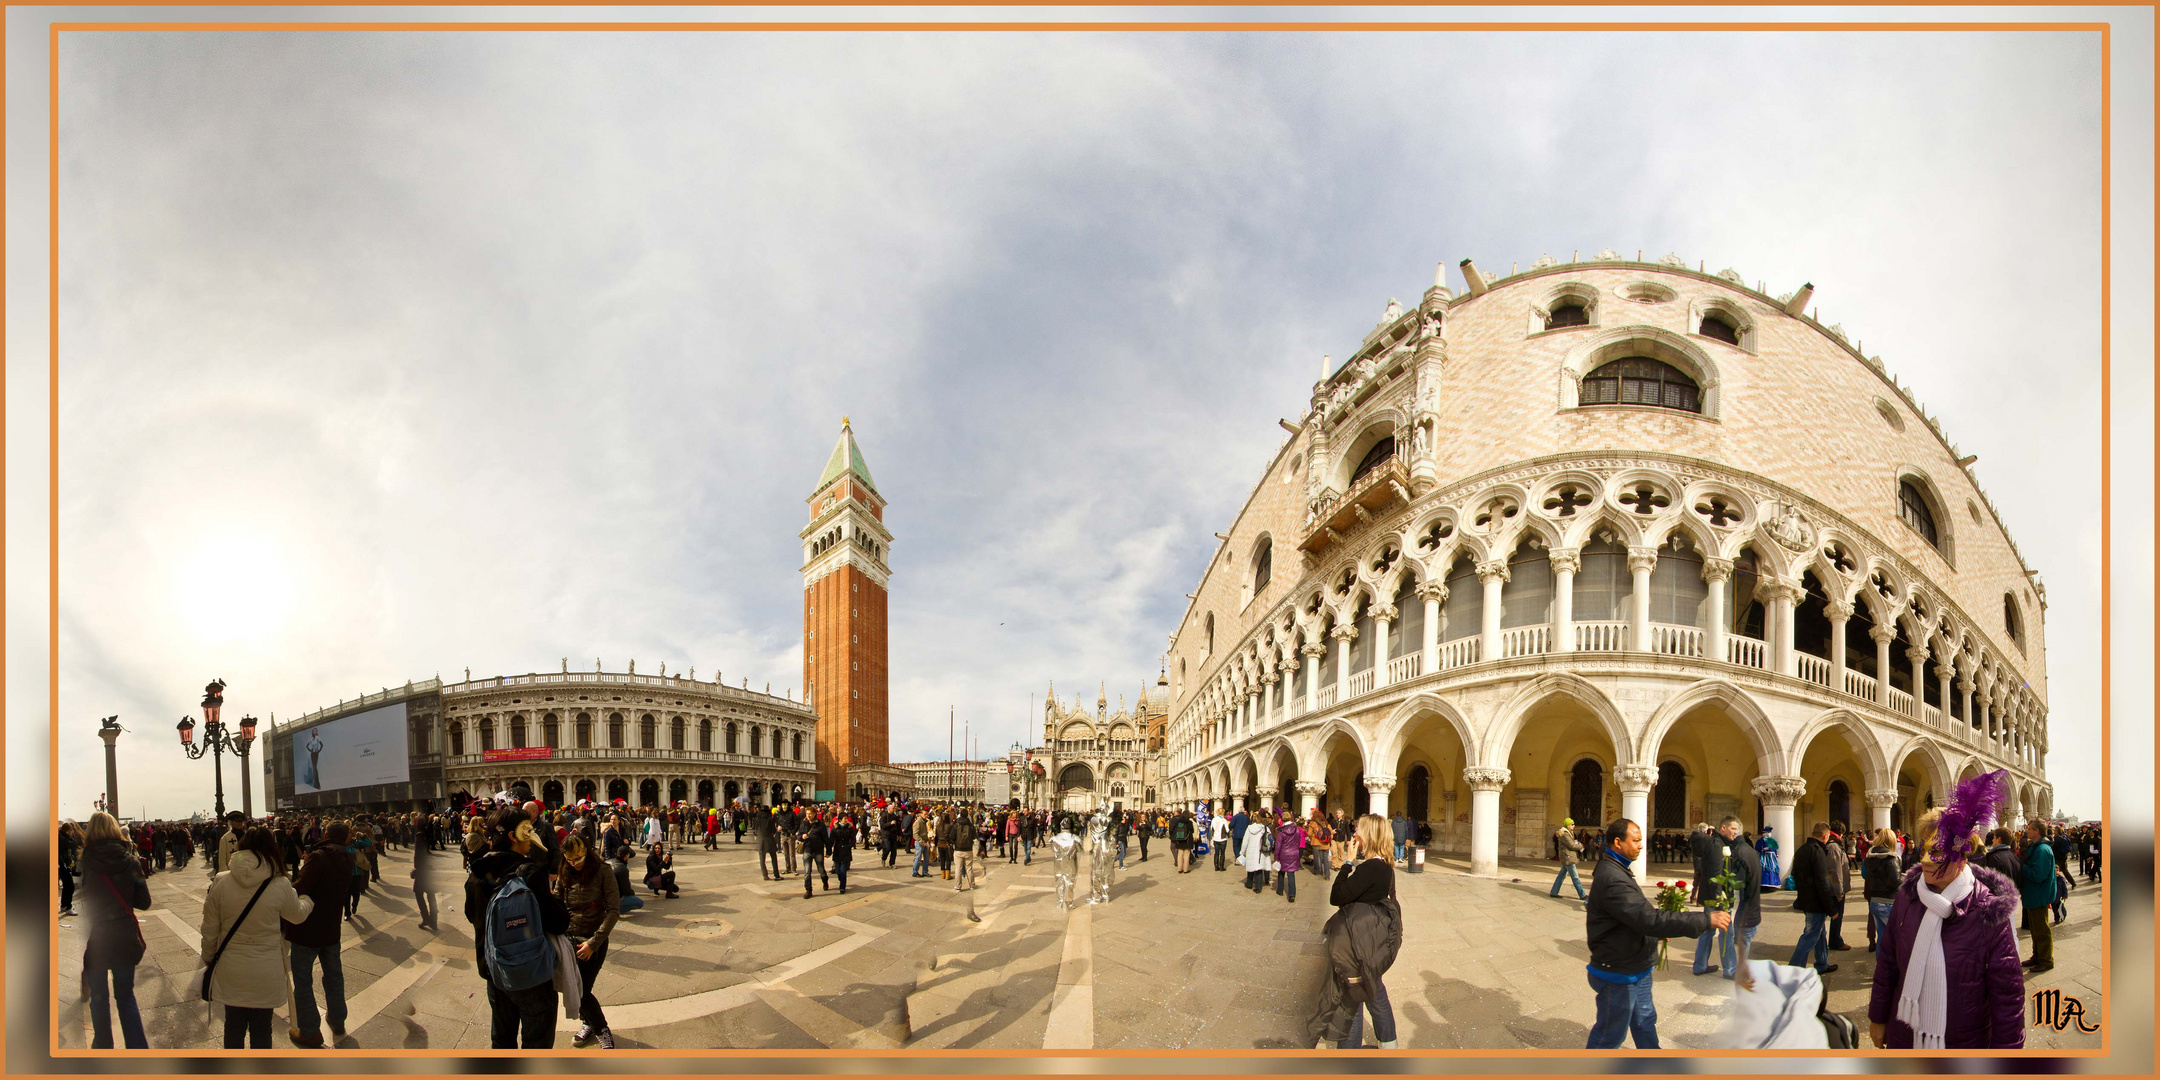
(1173, 962)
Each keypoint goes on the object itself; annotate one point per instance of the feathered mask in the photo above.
(1972, 806)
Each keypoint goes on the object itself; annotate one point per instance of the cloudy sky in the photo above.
(386, 355)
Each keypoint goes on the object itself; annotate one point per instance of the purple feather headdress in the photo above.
(1972, 806)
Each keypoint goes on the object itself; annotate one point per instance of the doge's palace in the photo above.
(1610, 538)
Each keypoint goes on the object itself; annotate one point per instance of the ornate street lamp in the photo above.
(219, 737)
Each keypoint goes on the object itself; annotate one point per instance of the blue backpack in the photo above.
(519, 954)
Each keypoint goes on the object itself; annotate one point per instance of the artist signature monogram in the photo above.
(2052, 1009)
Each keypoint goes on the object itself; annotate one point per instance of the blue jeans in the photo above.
(1623, 1008)
(628, 903)
(303, 983)
(1567, 873)
(1121, 853)
(1879, 911)
(1320, 860)
(1287, 879)
(922, 859)
(1814, 939)
(1731, 952)
(1399, 850)
(1383, 1020)
(121, 996)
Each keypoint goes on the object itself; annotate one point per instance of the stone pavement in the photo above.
(1173, 962)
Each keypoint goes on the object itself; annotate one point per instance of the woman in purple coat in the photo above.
(1947, 974)
(1289, 851)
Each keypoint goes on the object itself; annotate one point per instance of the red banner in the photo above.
(528, 753)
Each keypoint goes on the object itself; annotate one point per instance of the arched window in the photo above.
(1263, 565)
(730, 744)
(1639, 380)
(551, 732)
(1914, 510)
(757, 742)
(487, 733)
(798, 746)
(584, 731)
(1462, 614)
(1529, 593)
(1603, 587)
(615, 731)
(457, 739)
(2013, 623)
(677, 729)
(1570, 312)
(704, 736)
(648, 728)
(1677, 589)
(1586, 791)
(1374, 458)
(517, 733)
(1715, 327)
(1210, 634)
(1671, 797)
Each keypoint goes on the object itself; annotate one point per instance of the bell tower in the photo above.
(844, 592)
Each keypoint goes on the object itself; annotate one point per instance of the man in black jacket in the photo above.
(1623, 928)
(813, 851)
(768, 841)
(325, 877)
(1723, 849)
(1816, 895)
(515, 1017)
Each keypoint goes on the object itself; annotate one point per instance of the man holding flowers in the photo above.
(1620, 923)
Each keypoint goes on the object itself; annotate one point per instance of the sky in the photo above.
(388, 355)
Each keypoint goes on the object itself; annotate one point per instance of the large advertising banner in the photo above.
(356, 751)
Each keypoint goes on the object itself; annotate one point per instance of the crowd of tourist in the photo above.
(544, 887)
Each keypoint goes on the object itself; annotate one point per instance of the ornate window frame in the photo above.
(1945, 543)
(1559, 293)
(1655, 342)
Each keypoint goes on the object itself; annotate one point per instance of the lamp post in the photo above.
(219, 737)
(109, 729)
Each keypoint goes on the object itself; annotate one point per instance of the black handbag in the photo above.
(220, 953)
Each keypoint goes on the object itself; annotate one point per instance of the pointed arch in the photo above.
(1762, 737)
(1389, 741)
(1269, 758)
(1858, 734)
(1933, 761)
(1313, 762)
(1500, 738)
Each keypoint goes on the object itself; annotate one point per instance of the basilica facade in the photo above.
(1095, 757)
(1601, 539)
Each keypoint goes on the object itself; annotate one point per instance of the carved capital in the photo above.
(1641, 560)
(1882, 797)
(1273, 676)
(1838, 611)
(1265, 792)
(1779, 790)
(1343, 631)
(1634, 778)
(1384, 613)
(1314, 648)
(1482, 778)
(1310, 787)
(1492, 570)
(1435, 591)
(1883, 633)
(1778, 590)
(1716, 570)
(1965, 683)
(1566, 560)
(1379, 785)
(1918, 654)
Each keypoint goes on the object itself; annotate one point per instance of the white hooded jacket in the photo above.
(253, 971)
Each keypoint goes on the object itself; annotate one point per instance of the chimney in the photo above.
(1476, 280)
(1799, 300)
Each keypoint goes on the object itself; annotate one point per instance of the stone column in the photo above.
(1377, 788)
(1434, 593)
(1840, 612)
(1565, 563)
(1718, 573)
(1879, 801)
(1635, 782)
(1267, 797)
(1343, 633)
(1309, 792)
(1945, 671)
(1383, 621)
(1778, 794)
(1493, 574)
(1883, 634)
(1784, 596)
(1965, 688)
(1640, 562)
(1313, 651)
(1485, 785)
(1238, 802)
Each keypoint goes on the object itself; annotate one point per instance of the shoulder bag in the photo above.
(234, 929)
(134, 922)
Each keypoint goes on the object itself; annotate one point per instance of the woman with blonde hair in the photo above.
(1946, 964)
(112, 890)
(1362, 939)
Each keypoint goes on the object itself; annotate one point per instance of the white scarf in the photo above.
(1924, 1004)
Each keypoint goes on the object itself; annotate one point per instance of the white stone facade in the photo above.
(1476, 584)
(648, 739)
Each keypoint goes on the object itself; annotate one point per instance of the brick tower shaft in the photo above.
(845, 579)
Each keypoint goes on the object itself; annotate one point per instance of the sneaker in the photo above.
(607, 1039)
(583, 1037)
(64, 912)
